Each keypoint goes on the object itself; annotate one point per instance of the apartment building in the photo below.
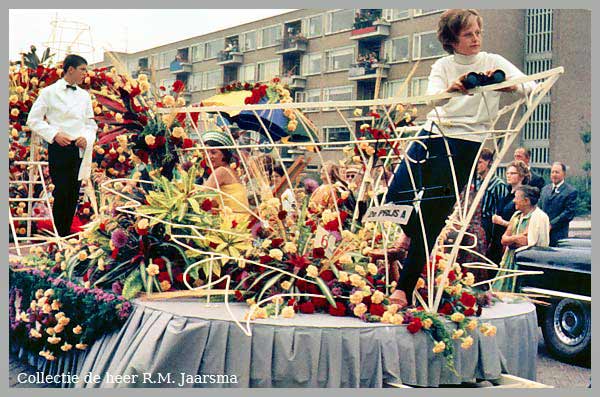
(321, 55)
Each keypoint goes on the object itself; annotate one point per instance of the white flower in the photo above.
(276, 254)
(312, 271)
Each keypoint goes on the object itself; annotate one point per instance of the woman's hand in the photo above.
(458, 85)
(512, 88)
(497, 220)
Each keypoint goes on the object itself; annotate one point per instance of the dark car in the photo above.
(566, 285)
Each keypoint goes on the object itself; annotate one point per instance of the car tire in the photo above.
(567, 330)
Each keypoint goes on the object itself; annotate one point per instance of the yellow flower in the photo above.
(360, 309)
(34, 333)
(292, 125)
(276, 253)
(14, 112)
(54, 339)
(364, 126)
(181, 101)
(55, 305)
(81, 346)
(288, 312)
(420, 283)
(290, 248)
(178, 132)
(377, 297)
(19, 89)
(457, 333)
(467, 342)
(397, 319)
(266, 244)
(357, 112)
(250, 302)
(386, 317)
(286, 285)
(66, 347)
(472, 325)
(372, 268)
(143, 224)
(356, 298)
(100, 264)
(150, 140)
(360, 270)
(427, 323)
(261, 312)
(488, 329)
(13, 98)
(439, 347)
(119, 118)
(312, 271)
(152, 270)
(343, 277)
(142, 77)
(39, 293)
(168, 100)
(345, 259)
(400, 108)
(49, 292)
(393, 308)
(356, 280)
(165, 285)
(47, 309)
(469, 279)
(457, 317)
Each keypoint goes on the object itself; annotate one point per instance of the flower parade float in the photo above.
(181, 286)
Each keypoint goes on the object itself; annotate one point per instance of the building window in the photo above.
(395, 89)
(340, 21)
(339, 59)
(267, 70)
(426, 45)
(396, 50)
(248, 73)
(311, 64)
(537, 127)
(419, 86)
(269, 36)
(395, 14)
(212, 79)
(212, 48)
(335, 94)
(425, 11)
(196, 81)
(539, 155)
(249, 41)
(168, 84)
(336, 134)
(539, 31)
(166, 58)
(197, 52)
(313, 95)
(314, 26)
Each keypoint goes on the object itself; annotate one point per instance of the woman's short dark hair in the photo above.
(74, 61)
(227, 154)
(451, 23)
(531, 193)
(522, 169)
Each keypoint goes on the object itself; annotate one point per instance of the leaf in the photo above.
(272, 281)
(265, 274)
(110, 104)
(325, 289)
(132, 285)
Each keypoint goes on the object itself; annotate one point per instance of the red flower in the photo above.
(381, 152)
(374, 114)
(376, 309)
(160, 262)
(206, 205)
(178, 86)
(332, 226)
(264, 259)
(301, 284)
(281, 215)
(307, 307)
(446, 309)
(452, 275)
(163, 276)
(467, 300)
(339, 309)
(291, 302)
(299, 261)
(415, 325)
(327, 275)
(318, 253)
(276, 80)
(469, 311)
(162, 88)
(187, 143)
(276, 242)
(238, 295)
(114, 253)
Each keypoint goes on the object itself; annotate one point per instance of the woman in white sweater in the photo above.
(460, 32)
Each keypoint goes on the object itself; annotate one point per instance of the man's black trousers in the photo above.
(64, 162)
(433, 176)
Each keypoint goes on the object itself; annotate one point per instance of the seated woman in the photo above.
(517, 174)
(333, 188)
(288, 200)
(222, 177)
(528, 227)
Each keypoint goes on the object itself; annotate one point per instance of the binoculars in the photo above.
(473, 79)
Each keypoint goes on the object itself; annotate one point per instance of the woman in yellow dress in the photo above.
(222, 178)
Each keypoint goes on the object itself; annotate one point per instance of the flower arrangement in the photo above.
(50, 316)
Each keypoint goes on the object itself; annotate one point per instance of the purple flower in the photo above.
(118, 238)
(336, 291)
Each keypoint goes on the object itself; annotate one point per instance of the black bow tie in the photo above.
(72, 87)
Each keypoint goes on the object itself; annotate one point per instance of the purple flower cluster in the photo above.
(119, 238)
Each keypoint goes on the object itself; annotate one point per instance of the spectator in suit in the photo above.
(558, 201)
(524, 155)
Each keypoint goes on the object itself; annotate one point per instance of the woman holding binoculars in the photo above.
(433, 193)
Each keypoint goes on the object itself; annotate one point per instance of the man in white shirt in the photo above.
(63, 116)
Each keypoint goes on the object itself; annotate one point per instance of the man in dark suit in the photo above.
(558, 201)
(524, 154)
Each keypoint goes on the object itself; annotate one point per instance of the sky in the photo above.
(96, 31)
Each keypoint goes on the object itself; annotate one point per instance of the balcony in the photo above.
(227, 58)
(177, 67)
(370, 30)
(294, 81)
(136, 73)
(367, 71)
(294, 44)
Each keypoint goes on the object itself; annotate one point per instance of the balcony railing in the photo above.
(293, 44)
(230, 57)
(178, 66)
(370, 29)
(294, 81)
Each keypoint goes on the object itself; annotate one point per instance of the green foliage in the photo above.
(582, 184)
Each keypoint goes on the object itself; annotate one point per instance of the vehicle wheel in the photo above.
(567, 329)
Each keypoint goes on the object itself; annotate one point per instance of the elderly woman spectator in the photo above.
(528, 227)
(333, 188)
(517, 174)
(460, 33)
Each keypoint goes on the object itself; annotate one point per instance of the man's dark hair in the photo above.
(526, 150)
(74, 61)
(531, 193)
(487, 155)
(562, 165)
